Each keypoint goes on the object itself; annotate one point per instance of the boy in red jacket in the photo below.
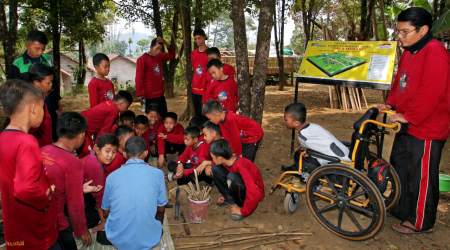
(222, 88)
(170, 138)
(123, 133)
(154, 122)
(66, 171)
(41, 75)
(101, 89)
(214, 53)
(237, 179)
(149, 74)
(243, 133)
(101, 118)
(29, 210)
(195, 153)
(127, 118)
(199, 59)
(94, 169)
(211, 133)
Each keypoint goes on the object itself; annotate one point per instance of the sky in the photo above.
(140, 27)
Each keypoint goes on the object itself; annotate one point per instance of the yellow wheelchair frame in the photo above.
(343, 167)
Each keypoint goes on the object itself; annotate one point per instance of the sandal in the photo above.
(401, 227)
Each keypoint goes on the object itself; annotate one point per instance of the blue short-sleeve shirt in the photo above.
(133, 193)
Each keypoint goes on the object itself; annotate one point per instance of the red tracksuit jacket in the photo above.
(421, 91)
(199, 61)
(100, 91)
(95, 172)
(150, 135)
(66, 172)
(195, 156)
(254, 184)
(149, 75)
(237, 128)
(224, 91)
(175, 137)
(101, 118)
(23, 185)
(227, 70)
(44, 132)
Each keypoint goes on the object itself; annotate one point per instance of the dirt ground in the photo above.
(274, 152)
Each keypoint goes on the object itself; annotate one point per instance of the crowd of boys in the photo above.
(96, 176)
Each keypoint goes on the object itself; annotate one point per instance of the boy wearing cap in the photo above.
(199, 59)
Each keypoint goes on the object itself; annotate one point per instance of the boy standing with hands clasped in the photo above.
(199, 59)
(101, 89)
(29, 211)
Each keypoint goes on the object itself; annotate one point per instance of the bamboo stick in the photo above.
(196, 183)
(359, 100)
(271, 242)
(365, 100)
(330, 90)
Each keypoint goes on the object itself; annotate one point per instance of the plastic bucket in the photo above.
(444, 183)
(198, 210)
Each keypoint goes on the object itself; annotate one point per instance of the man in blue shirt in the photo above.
(134, 201)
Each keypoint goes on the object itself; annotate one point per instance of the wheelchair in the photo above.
(339, 194)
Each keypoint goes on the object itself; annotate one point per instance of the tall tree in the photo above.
(279, 40)
(242, 65)
(189, 74)
(8, 31)
(366, 26)
(261, 59)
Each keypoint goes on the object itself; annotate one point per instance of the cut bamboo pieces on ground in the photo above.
(196, 194)
(347, 98)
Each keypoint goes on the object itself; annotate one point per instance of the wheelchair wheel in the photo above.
(356, 215)
(289, 205)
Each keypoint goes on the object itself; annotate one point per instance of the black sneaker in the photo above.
(285, 168)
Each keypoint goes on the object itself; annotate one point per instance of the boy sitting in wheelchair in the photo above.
(311, 136)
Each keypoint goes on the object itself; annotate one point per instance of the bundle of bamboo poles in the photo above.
(347, 98)
(196, 194)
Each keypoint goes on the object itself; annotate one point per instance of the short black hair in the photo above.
(152, 107)
(106, 139)
(153, 43)
(15, 94)
(39, 71)
(37, 36)
(212, 127)
(417, 16)
(123, 130)
(141, 119)
(125, 96)
(221, 148)
(213, 51)
(212, 107)
(172, 115)
(200, 32)
(98, 58)
(135, 146)
(70, 124)
(192, 131)
(128, 116)
(214, 62)
(196, 121)
(297, 111)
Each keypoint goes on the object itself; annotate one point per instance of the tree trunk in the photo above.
(442, 7)
(82, 62)
(198, 12)
(8, 32)
(55, 25)
(261, 58)
(435, 9)
(169, 84)
(242, 65)
(189, 74)
(366, 19)
(281, 80)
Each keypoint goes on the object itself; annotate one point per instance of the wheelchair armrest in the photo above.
(346, 143)
(316, 154)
